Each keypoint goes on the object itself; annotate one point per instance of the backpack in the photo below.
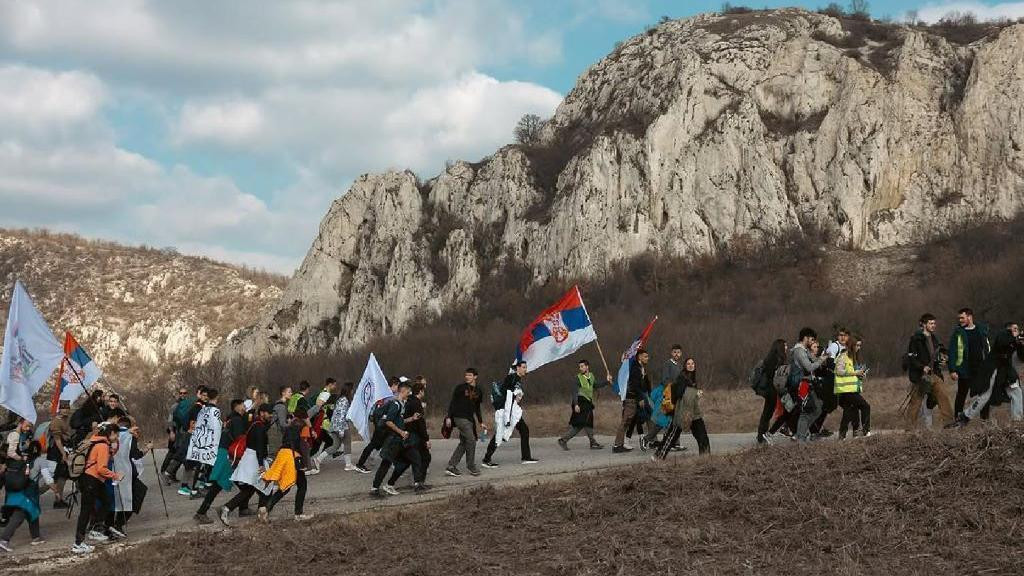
(667, 404)
(756, 376)
(80, 458)
(497, 395)
(781, 378)
(380, 410)
(181, 412)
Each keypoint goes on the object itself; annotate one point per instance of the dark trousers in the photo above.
(856, 413)
(524, 442)
(240, 501)
(963, 389)
(700, 434)
(770, 400)
(92, 490)
(17, 517)
(300, 492)
(380, 434)
(407, 456)
(211, 492)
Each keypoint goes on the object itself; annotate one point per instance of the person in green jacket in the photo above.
(582, 417)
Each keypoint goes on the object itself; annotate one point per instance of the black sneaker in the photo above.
(596, 446)
(959, 422)
(202, 519)
(564, 444)
(376, 493)
(621, 449)
(488, 464)
(452, 471)
(245, 512)
(474, 472)
(420, 488)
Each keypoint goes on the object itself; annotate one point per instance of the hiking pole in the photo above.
(159, 483)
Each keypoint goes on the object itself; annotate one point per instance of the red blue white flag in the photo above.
(78, 373)
(558, 332)
(622, 379)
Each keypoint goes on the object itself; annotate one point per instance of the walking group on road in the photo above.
(268, 450)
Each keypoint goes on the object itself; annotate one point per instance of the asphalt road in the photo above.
(337, 491)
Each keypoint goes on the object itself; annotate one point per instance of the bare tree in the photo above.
(528, 129)
(860, 8)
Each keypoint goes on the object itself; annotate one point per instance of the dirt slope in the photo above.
(910, 504)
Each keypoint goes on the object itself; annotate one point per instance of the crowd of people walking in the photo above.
(267, 450)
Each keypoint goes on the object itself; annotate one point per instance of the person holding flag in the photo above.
(508, 416)
(372, 394)
(637, 386)
(582, 417)
(30, 356)
(78, 373)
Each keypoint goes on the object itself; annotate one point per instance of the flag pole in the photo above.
(596, 340)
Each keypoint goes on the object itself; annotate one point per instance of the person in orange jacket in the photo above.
(91, 486)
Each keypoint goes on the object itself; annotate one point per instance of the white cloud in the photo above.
(933, 12)
(325, 90)
(232, 122)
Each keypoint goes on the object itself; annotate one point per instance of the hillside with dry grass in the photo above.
(945, 503)
(138, 311)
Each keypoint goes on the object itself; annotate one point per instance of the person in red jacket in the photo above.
(91, 485)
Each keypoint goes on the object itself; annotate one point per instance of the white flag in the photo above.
(205, 439)
(31, 354)
(372, 387)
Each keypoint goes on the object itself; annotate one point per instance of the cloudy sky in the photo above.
(226, 128)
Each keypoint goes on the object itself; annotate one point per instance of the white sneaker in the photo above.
(97, 536)
(117, 533)
(224, 512)
(351, 468)
(6, 546)
(303, 517)
(82, 548)
(389, 489)
(627, 445)
(312, 472)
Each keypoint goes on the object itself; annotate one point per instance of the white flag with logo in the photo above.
(372, 388)
(31, 354)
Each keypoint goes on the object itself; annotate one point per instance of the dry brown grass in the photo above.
(901, 504)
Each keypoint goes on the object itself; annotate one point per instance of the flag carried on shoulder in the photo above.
(558, 332)
(622, 379)
(373, 387)
(31, 354)
(77, 373)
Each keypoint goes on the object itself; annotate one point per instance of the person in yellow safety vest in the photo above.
(848, 386)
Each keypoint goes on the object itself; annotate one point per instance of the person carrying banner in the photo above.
(249, 471)
(220, 476)
(463, 415)
(511, 393)
(129, 493)
(582, 417)
(638, 385)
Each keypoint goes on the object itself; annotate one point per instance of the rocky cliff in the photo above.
(137, 311)
(716, 133)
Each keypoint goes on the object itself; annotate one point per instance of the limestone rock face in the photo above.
(700, 136)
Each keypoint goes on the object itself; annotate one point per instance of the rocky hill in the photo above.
(712, 135)
(136, 310)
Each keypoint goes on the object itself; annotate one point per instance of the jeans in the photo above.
(467, 444)
(809, 413)
(524, 442)
(629, 408)
(92, 490)
(17, 517)
(342, 443)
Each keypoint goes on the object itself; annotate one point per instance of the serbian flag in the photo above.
(558, 332)
(622, 379)
(77, 373)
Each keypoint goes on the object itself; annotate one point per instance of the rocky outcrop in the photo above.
(713, 134)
